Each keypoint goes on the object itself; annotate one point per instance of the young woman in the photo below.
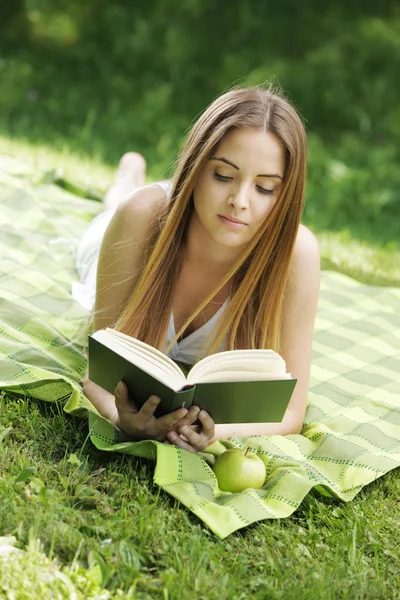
(216, 259)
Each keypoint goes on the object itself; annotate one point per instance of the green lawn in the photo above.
(106, 531)
(93, 509)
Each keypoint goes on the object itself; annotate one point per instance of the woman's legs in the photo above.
(131, 174)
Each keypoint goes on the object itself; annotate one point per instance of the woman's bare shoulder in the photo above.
(306, 250)
(142, 203)
(305, 263)
(306, 243)
(121, 251)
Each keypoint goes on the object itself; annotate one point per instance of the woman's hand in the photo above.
(142, 424)
(193, 438)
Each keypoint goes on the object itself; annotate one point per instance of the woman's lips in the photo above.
(233, 224)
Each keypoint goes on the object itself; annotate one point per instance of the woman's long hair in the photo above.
(259, 277)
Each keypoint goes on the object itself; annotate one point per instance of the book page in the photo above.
(230, 376)
(251, 365)
(143, 356)
(142, 347)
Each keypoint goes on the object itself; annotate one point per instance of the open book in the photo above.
(236, 386)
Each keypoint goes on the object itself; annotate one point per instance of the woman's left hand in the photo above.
(194, 438)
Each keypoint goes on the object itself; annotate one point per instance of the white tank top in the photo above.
(188, 350)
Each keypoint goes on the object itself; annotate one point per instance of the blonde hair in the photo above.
(259, 277)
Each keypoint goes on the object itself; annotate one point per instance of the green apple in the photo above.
(237, 470)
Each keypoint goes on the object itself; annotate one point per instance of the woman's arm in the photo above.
(298, 323)
(117, 273)
(301, 301)
(121, 252)
(119, 263)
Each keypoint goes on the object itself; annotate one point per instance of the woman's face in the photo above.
(238, 187)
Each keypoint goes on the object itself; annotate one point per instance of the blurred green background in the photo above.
(97, 78)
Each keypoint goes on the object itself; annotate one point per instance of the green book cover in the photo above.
(226, 401)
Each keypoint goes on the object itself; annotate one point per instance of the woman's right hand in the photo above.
(142, 424)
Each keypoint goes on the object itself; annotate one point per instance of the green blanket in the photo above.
(352, 430)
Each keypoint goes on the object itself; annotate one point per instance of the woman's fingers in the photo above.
(147, 411)
(170, 420)
(207, 423)
(160, 426)
(189, 418)
(142, 422)
(122, 401)
(193, 441)
(177, 440)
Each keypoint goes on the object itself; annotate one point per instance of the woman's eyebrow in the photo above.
(228, 162)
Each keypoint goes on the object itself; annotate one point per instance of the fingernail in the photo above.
(172, 435)
(120, 387)
(183, 430)
(203, 414)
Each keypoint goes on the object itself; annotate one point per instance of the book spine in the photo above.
(184, 397)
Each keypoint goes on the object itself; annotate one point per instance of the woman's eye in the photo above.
(221, 177)
(264, 191)
(225, 178)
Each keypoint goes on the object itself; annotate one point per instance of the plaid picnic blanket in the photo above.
(352, 428)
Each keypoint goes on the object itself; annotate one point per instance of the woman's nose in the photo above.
(240, 198)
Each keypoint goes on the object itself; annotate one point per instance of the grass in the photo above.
(103, 524)
(370, 264)
(93, 525)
